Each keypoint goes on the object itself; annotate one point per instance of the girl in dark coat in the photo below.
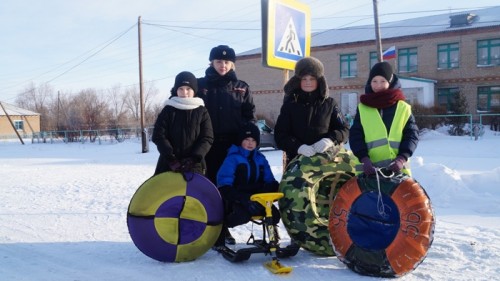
(183, 130)
(310, 121)
(383, 93)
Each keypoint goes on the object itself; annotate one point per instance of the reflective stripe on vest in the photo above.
(382, 148)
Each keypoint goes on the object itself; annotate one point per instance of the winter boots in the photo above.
(228, 237)
(225, 238)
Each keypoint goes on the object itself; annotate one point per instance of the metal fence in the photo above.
(470, 126)
(461, 124)
(83, 136)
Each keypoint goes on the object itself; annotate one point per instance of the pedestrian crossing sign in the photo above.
(286, 33)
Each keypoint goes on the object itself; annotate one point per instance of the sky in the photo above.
(76, 45)
(63, 215)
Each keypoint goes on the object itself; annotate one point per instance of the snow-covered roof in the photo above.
(409, 27)
(16, 111)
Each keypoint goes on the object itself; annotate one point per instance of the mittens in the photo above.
(306, 150)
(174, 165)
(368, 167)
(322, 145)
(187, 164)
(397, 164)
(255, 208)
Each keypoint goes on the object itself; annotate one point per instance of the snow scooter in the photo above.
(268, 246)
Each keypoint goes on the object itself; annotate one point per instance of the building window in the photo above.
(19, 125)
(407, 60)
(488, 98)
(373, 59)
(446, 97)
(348, 66)
(448, 56)
(488, 52)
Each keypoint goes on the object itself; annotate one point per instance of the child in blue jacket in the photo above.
(244, 172)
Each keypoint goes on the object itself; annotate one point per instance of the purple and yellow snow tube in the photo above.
(173, 220)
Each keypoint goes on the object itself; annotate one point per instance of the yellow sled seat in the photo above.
(264, 199)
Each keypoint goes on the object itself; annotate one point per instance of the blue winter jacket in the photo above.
(244, 173)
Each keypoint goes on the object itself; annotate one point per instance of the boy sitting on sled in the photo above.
(244, 172)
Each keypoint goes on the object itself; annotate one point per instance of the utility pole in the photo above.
(377, 31)
(144, 134)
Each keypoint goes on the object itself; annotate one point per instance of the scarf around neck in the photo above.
(382, 99)
(215, 78)
(185, 103)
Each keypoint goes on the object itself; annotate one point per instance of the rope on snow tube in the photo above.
(381, 226)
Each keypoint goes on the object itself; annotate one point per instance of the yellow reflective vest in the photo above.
(383, 148)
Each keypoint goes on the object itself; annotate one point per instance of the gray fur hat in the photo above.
(309, 66)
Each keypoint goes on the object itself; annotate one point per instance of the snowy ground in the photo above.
(63, 216)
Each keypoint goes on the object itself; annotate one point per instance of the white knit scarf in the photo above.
(185, 103)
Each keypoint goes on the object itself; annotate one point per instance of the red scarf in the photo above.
(382, 99)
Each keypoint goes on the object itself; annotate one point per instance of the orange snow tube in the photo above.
(381, 226)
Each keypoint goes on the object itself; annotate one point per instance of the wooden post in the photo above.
(286, 74)
(144, 136)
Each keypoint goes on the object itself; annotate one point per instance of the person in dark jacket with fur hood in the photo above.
(310, 121)
(384, 133)
(183, 130)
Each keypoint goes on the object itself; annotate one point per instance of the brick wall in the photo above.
(267, 83)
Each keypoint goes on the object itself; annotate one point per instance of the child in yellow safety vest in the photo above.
(384, 133)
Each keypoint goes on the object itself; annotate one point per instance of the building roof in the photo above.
(15, 111)
(487, 17)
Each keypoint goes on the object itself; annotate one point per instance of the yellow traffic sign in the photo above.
(286, 33)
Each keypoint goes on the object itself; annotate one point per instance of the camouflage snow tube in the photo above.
(309, 185)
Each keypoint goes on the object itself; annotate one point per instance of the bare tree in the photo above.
(150, 107)
(132, 101)
(117, 106)
(37, 99)
(93, 109)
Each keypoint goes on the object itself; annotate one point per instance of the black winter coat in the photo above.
(228, 101)
(180, 134)
(305, 118)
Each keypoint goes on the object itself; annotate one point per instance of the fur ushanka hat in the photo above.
(309, 66)
(222, 52)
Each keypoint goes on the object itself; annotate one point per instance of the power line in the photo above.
(93, 54)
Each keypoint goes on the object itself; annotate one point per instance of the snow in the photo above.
(63, 215)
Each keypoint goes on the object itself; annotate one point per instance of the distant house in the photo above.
(26, 122)
(437, 56)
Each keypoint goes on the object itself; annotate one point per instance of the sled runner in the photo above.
(269, 245)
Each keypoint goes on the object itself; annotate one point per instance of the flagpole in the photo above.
(378, 42)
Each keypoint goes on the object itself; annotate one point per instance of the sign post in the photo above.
(286, 36)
